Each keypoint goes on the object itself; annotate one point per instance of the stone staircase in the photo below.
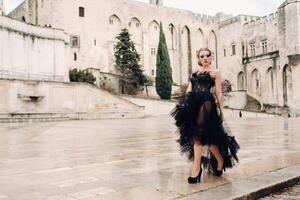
(51, 117)
(252, 104)
(62, 101)
(32, 117)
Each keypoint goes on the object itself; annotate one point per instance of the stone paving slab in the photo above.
(251, 187)
(131, 158)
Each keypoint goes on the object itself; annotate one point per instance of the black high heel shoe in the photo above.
(218, 172)
(215, 167)
(197, 179)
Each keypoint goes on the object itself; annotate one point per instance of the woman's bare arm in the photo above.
(189, 88)
(218, 90)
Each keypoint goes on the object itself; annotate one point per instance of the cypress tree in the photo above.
(163, 78)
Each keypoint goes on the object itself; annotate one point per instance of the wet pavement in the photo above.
(130, 158)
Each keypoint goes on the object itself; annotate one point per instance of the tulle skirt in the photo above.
(197, 118)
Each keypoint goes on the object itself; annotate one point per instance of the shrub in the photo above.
(83, 76)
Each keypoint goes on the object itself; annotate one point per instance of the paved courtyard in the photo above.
(129, 158)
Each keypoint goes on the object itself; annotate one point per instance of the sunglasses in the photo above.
(205, 56)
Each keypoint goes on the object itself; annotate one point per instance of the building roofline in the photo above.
(20, 5)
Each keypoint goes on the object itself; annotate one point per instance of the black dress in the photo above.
(197, 117)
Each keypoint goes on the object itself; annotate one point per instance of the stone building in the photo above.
(261, 55)
(31, 52)
(93, 26)
(2, 10)
(258, 55)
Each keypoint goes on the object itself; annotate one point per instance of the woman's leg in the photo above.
(203, 116)
(215, 151)
(197, 157)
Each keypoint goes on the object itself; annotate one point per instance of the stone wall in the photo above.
(31, 52)
(236, 100)
(264, 78)
(59, 97)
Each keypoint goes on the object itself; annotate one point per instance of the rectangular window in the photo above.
(75, 56)
(233, 49)
(252, 49)
(152, 72)
(264, 45)
(75, 42)
(153, 51)
(95, 42)
(81, 11)
(111, 21)
(224, 52)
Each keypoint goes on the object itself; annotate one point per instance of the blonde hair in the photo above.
(198, 55)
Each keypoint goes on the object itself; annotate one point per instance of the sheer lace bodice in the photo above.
(202, 82)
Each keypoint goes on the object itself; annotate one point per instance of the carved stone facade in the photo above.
(93, 30)
(259, 55)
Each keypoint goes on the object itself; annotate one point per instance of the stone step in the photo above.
(33, 119)
(48, 117)
(252, 104)
(251, 188)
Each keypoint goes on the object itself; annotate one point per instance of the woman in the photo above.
(199, 118)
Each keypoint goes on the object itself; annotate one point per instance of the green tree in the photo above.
(163, 78)
(127, 60)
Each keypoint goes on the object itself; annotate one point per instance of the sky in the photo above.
(210, 7)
